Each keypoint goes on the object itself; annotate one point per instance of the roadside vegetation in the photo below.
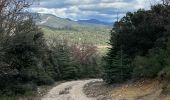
(28, 59)
(140, 46)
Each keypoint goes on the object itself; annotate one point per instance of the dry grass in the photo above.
(141, 90)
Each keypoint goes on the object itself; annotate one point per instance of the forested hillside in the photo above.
(83, 31)
(96, 36)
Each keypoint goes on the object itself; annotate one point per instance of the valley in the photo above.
(76, 32)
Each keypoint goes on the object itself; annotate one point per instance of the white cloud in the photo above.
(78, 2)
(58, 12)
(84, 9)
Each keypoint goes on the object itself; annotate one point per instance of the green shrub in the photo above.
(44, 79)
(9, 98)
(146, 67)
(15, 87)
(23, 88)
(167, 72)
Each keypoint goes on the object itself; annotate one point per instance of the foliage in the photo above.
(74, 61)
(117, 68)
(96, 36)
(143, 38)
(22, 52)
(62, 59)
(150, 65)
(166, 69)
(87, 59)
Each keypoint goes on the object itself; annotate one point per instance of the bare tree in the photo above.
(12, 12)
(166, 2)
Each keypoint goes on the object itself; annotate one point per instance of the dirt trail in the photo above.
(69, 91)
(103, 46)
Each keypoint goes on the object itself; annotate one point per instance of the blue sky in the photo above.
(103, 10)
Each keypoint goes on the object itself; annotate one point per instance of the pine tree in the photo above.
(117, 68)
(63, 60)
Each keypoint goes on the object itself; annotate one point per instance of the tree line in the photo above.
(28, 60)
(140, 45)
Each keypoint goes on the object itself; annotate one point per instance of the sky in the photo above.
(103, 10)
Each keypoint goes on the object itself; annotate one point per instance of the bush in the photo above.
(155, 63)
(147, 67)
(44, 79)
(23, 88)
(166, 70)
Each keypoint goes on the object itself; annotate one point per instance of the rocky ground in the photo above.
(98, 90)
(139, 90)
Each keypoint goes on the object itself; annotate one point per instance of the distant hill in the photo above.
(94, 21)
(57, 22)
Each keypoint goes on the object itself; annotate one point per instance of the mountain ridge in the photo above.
(94, 21)
(53, 21)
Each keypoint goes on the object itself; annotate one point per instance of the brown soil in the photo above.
(99, 90)
(139, 90)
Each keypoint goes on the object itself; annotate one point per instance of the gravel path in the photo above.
(72, 90)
